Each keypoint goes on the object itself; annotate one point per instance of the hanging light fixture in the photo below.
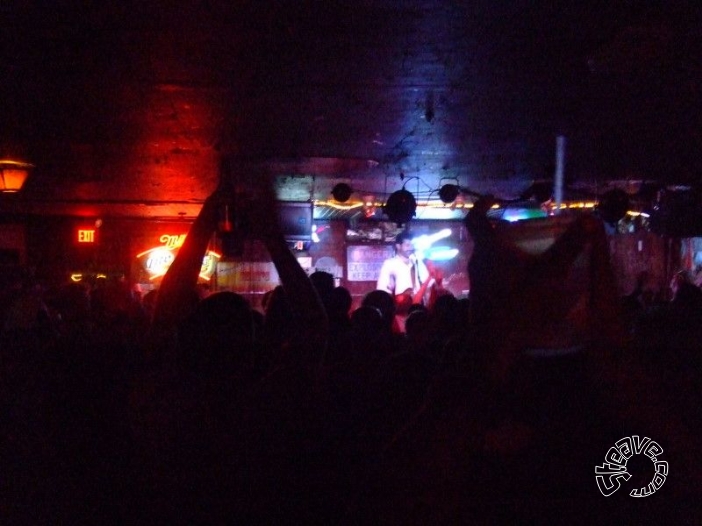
(13, 174)
(342, 192)
(448, 193)
(400, 207)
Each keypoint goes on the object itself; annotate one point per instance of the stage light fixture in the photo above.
(448, 193)
(341, 192)
(400, 207)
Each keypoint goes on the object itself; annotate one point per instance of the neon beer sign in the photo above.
(158, 259)
(171, 241)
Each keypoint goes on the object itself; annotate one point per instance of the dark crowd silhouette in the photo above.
(180, 408)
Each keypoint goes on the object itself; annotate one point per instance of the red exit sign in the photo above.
(86, 236)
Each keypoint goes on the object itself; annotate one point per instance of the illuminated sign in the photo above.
(363, 262)
(157, 260)
(209, 263)
(86, 235)
(78, 276)
(247, 277)
(172, 241)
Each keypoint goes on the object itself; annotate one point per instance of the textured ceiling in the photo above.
(130, 105)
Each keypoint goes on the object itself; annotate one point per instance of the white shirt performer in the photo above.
(404, 275)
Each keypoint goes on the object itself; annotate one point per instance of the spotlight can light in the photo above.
(342, 192)
(448, 193)
(400, 207)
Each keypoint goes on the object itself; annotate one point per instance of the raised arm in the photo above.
(311, 321)
(526, 301)
(174, 299)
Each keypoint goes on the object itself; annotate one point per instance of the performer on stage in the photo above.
(405, 276)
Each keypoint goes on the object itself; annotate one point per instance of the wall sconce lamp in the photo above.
(13, 174)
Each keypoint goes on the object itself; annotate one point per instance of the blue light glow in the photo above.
(519, 214)
(441, 253)
(424, 241)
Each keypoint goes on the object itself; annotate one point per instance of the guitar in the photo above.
(408, 298)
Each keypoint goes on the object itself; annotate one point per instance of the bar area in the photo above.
(413, 262)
